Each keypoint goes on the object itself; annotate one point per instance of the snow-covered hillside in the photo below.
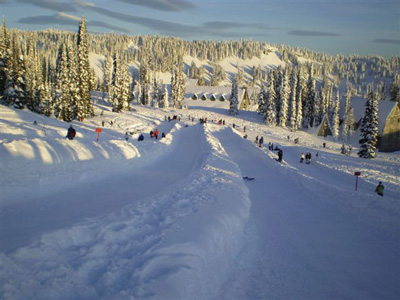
(173, 218)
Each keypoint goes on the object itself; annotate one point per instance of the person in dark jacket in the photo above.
(71, 133)
(280, 155)
(141, 137)
(379, 189)
(260, 142)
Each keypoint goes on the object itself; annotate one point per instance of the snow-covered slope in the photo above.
(173, 219)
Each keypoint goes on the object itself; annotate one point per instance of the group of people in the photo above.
(306, 157)
(174, 118)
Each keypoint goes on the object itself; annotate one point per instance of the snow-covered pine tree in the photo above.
(193, 70)
(165, 101)
(348, 118)
(278, 75)
(31, 76)
(239, 77)
(177, 87)
(107, 66)
(4, 58)
(369, 126)
(39, 94)
(64, 101)
(125, 95)
(84, 71)
(201, 76)
(293, 102)
(73, 69)
(284, 96)
(47, 100)
(310, 101)
(299, 100)
(270, 106)
(261, 101)
(336, 122)
(234, 99)
(15, 93)
(395, 88)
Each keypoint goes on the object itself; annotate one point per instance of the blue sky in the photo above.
(334, 26)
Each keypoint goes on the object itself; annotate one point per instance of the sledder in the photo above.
(71, 133)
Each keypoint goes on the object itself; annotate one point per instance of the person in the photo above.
(151, 134)
(302, 157)
(244, 128)
(343, 149)
(163, 134)
(349, 150)
(71, 133)
(324, 145)
(141, 137)
(102, 123)
(257, 139)
(245, 136)
(156, 133)
(260, 142)
(280, 155)
(308, 157)
(379, 189)
(126, 136)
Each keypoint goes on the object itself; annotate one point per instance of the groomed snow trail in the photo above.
(89, 199)
(298, 247)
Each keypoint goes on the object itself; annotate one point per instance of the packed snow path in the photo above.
(45, 213)
(298, 245)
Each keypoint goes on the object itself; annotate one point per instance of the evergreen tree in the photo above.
(284, 96)
(177, 87)
(270, 106)
(63, 98)
(348, 121)
(293, 101)
(125, 94)
(395, 89)
(5, 52)
(299, 100)
(336, 122)
(278, 75)
(165, 97)
(201, 76)
(106, 75)
(310, 105)
(369, 126)
(76, 104)
(15, 92)
(261, 100)
(84, 72)
(234, 99)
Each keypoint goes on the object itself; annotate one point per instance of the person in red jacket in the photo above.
(156, 133)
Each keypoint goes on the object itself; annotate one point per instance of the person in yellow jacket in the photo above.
(379, 189)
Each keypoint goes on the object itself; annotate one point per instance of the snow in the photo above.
(173, 219)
